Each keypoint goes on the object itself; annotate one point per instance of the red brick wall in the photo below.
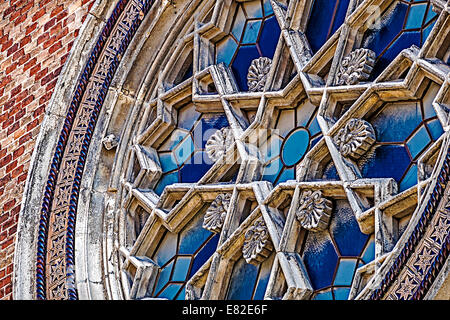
(35, 40)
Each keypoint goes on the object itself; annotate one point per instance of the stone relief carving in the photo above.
(110, 141)
(257, 74)
(355, 139)
(257, 245)
(216, 213)
(356, 67)
(314, 210)
(218, 143)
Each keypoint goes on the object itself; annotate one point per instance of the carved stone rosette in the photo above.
(216, 213)
(257, 245)
(314, 210)
(257, 74)
(218, 143)
(356, 67)
(355, 139)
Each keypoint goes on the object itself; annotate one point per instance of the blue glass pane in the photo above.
(251, 32)
(387, 162)
(346, 232)
(272, 170)
(397, 121)
(331, 173)
(243, 281)
(315, 140)
(263, 279)
(187, 117)
(267, 8)
(167, 161)
(341, 293)
(368, 254)
(320, 259)
(253, 9)
(171, 291)
(345, 271)
(341, 12)
(239, 24)
(164, 277)
(415, 16)
(417, 143)
(378, 40)
(319, 23)
(426, 31)
(324, 295)
(193, 236)
(208, 125)
(295, 146)
(304, 114)
(166, 180)
(241, 63)
(271, 148)
(184, 150)
(288, 174)
(225, 50)
(268, 39)
(174, 139)
(182, 294)
(409, 180)
(194, 169)
(430, 14)
(435, 128)
(204, 254)
(166, 250)
(314, 127)
(181, 268)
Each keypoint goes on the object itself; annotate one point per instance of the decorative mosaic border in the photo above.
(426, 250)
(55, 278)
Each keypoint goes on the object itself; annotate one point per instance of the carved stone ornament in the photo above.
(356, 67)
(314, 210)
(110, 142)
(216, 213)
(257, 74)
(355, 139)
(218, 144)
(257, 244)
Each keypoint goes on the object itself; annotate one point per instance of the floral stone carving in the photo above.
(356, 67)
(218, 143)
(257, 74)
(216, 213)
(355, 139)
(314, 210)
(257, 244)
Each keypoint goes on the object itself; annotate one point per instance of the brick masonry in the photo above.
(35, 40)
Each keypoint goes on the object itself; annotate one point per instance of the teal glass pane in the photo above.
(253, 9)
(225, 50)
(171, 291)
(288, 174)
(314, 127)
(417, 143)
(415, 16)
(243, 281)
(175, 138)
(430, 14)
(295, 146)
(166, 250)
(181, 268)
(435, 128)
(426, 32)
(271, 148)
(345, 272)
(251, 32)
(164, 277)
(187, 117)
(182, 294)
(193, 236)
(272, 170)
(368, 254)
(184, 150)
(268, 10)
(409, 180)
(324, 295)
(239, 24)
(167, 161)
(341, 293)
(166, 180)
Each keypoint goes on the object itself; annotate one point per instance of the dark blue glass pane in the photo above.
(263, 279)
(325, 295)
(319, 23)
(193, 236)
(397, 121)
(320, 259)
(387, 162)
(206, 127)
(331, 173)
(204, 254)
(295, 146)
(268, 39)
(341, 293)
(409, 180)
(241, 63)
(435, 128)
(340, 15)
(346, 233)
(170, 292)
(243, 281)
(188, 73)
(195, 168)
(345, 271)
(167, 161)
